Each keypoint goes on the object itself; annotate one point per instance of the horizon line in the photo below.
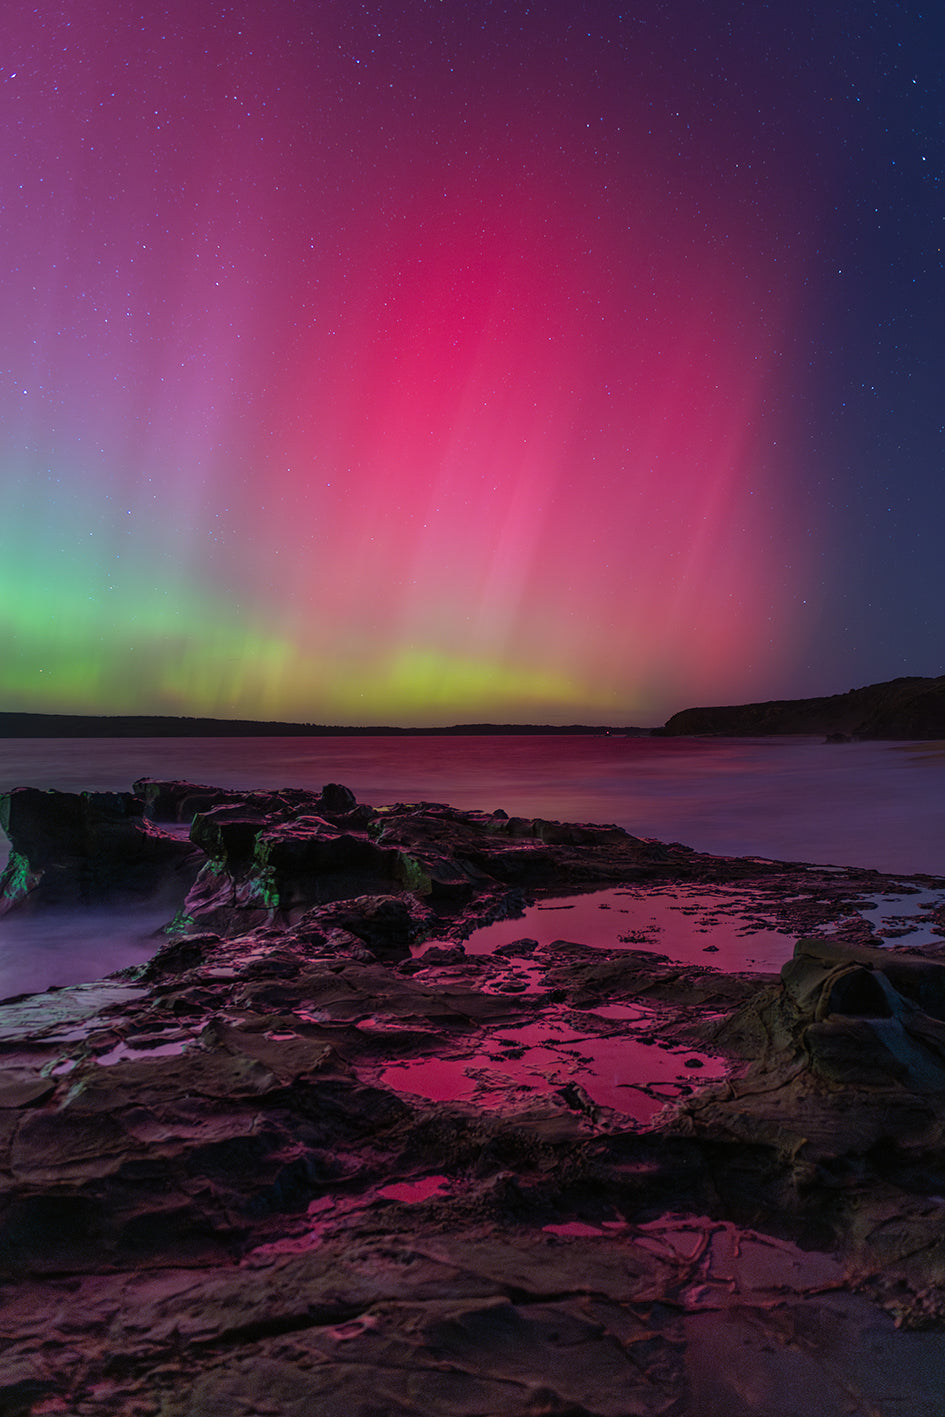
(19, 719)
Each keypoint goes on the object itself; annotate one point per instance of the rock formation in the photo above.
(318, 1156)
(83, 848)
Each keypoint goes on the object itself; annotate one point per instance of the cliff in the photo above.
(900, 708)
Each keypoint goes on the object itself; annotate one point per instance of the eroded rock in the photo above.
(301, 1162)
(86, 848)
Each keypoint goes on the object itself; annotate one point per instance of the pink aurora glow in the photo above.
(333, 404)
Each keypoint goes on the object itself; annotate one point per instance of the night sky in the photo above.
(439, 362)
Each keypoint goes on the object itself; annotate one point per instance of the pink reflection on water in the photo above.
(720, 926)
(864, 804)
(625, 1011)
(623, 1073)
(794, 799)
(413, 1192)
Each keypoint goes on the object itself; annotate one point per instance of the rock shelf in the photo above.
(304, 1161)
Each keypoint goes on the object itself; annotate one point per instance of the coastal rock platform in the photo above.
(322, 1155)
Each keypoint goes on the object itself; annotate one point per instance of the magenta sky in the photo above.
(423, 363)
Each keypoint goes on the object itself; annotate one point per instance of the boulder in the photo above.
(262, 869)
(845, 1088)
(175, 801)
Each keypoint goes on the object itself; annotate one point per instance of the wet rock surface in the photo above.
(319, 1155)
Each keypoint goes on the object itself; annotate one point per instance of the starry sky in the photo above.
(423, 362)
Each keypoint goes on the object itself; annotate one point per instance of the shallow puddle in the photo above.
(906, 919)
(124, 1053)
(719, 926)
(725, 927)
(629, 1075)
(413, 1192)
(633, 1012)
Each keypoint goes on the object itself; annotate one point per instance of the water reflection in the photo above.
(855, 804)
(624, 1073)
(867, 804)
(711, 925)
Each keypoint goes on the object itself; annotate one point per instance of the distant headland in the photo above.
(68, 725)
(907, 708)
(900, 708)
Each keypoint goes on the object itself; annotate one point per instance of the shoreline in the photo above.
(317, 1147)
(40, 725)
(907, 708)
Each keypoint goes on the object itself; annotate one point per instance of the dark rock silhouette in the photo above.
(85, 848)
(902, 708)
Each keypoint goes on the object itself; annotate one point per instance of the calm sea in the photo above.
(866, 804)
(861, 804)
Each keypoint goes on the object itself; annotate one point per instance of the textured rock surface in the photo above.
(301, 1164)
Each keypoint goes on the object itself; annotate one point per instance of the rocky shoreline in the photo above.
(319, 1155)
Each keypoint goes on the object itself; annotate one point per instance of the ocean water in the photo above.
(880, 805)
(861, 804)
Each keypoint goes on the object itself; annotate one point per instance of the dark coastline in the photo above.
(909, 708)
(56, 725)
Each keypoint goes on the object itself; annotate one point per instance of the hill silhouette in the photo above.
(899, 708)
